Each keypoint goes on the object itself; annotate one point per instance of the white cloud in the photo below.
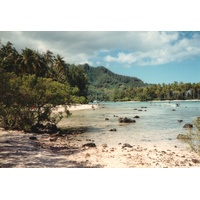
(141, 48)
(167, 48)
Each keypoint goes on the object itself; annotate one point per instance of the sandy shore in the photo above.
(75, 107)
(20, 150)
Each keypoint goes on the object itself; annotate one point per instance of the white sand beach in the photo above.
(19, 151)
(74, 107)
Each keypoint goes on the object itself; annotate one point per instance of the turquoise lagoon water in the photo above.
(157, 122)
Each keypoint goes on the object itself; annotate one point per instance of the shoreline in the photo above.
(78, 148)
(19, 151)
(76, 107)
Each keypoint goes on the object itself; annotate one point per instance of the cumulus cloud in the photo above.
(167, 48)
(97, 47)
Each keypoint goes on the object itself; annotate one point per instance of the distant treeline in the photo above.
(174, 91)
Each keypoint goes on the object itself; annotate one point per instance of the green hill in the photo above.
(103, 83)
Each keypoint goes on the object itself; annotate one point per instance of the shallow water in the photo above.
(157, 123)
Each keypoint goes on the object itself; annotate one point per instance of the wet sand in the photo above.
(20, 150)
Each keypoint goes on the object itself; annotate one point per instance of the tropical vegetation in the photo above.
(31, 84)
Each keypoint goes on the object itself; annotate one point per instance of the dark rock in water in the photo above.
(113, 129)
(136, 116)
(183, 137)
(106, 119)
(135, 109)
(32, 138)
(89, 145)
(126, 145)
(143, 107)
(140, 110)
(115, 116)
(126, 120)
(173, 109)
(188, 126)
(180, 120)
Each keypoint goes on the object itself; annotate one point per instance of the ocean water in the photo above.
(157, 123)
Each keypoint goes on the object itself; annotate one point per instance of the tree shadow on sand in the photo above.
(21, 152)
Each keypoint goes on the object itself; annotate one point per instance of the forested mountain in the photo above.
(108, 86)
(103, 83)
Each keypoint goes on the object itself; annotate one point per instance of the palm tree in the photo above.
(8, 57)
(25, 61)
(49, 59)
(59, 69)
(39, 64)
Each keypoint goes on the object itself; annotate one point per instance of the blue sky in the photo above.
(154, 57)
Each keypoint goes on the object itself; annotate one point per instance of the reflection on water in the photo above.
(157, 122)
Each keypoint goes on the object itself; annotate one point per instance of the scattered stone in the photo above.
(140, 110)
(173, 109)
(188, 126)
(89, 145)
(180, 120)
(126, 145)
(136, 116)
(119, 143)
(112, 149)
(194, 160)
(106, 119)
(175, 146)
(104, 145)
(113, 129)
(115, 116)
(183, 137)
(87, 155)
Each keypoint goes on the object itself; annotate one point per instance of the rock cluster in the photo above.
(126, 120)
(41, 128)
